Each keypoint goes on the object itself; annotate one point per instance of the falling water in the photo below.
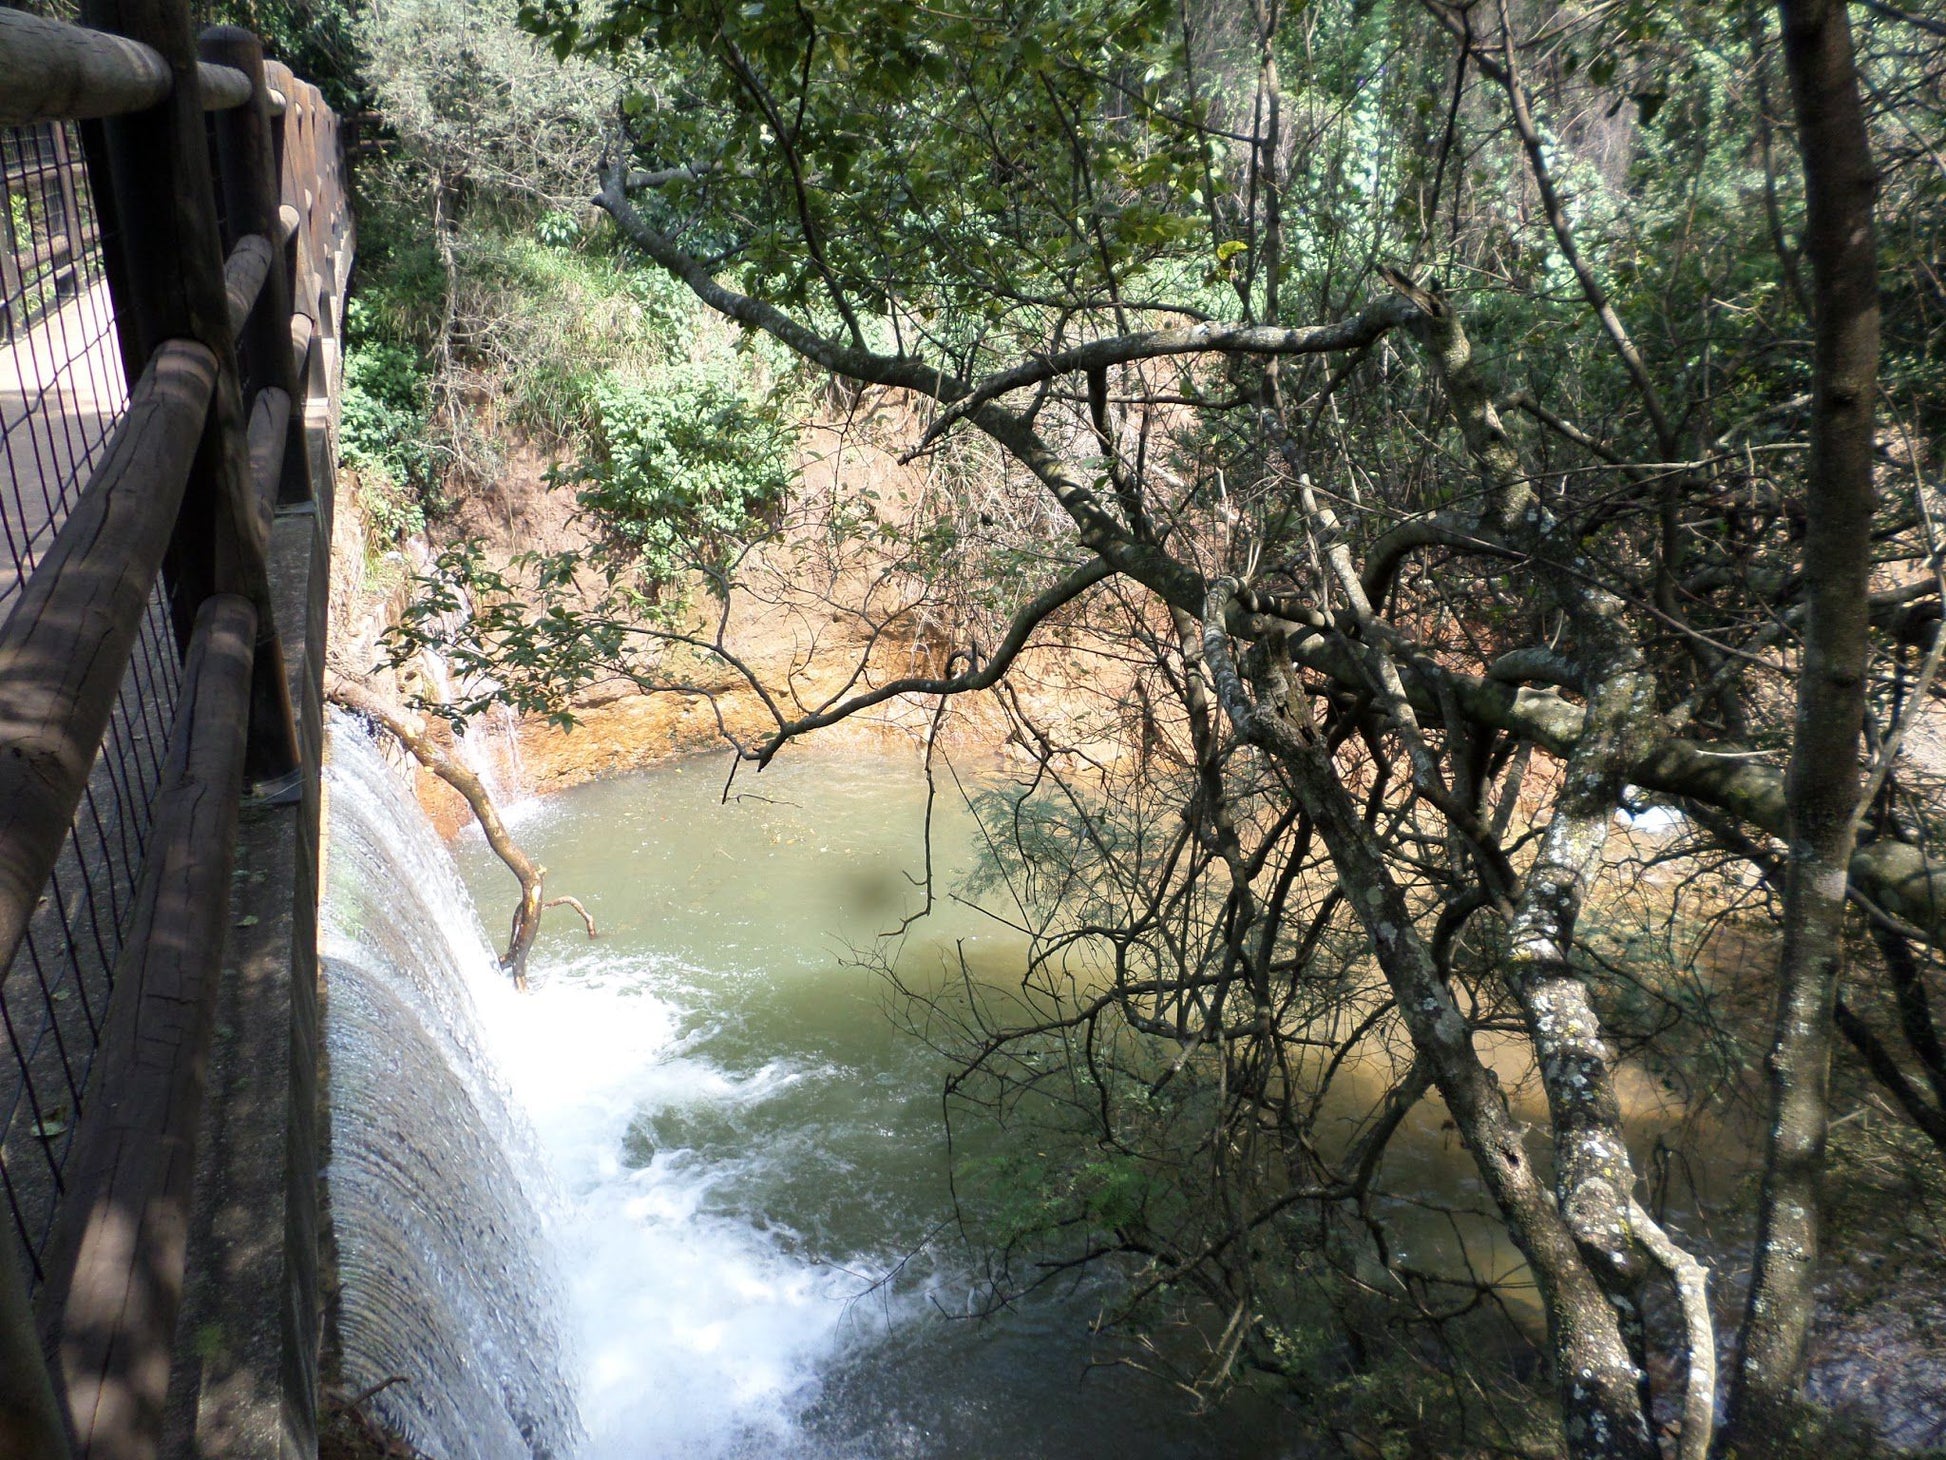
(744, 1182)
(435, 1181)
(754, 1217)
(489, 745)
(737, 1152)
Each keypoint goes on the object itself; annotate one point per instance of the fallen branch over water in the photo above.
(353, 696)
(575, 903)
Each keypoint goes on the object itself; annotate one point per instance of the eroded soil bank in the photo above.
(813, 618)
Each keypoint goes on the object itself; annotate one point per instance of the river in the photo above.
(748, 1171)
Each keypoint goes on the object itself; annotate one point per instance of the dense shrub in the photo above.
(682, 465)
(383, 434)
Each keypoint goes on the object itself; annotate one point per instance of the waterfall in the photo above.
(490, 743)
(743, 1183)
(435, 1180)
(489, 746)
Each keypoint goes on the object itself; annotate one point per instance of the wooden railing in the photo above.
(216, 179)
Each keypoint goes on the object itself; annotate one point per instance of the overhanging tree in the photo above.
(1424, 388)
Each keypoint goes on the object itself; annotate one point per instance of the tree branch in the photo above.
(526, 920)
(981, 676)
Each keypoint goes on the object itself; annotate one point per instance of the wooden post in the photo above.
(278, 77)
(13, 288)
(246, 160)
(31, 1427)
(312, 353)
(171, 266)
(311, 199)
(325, 159)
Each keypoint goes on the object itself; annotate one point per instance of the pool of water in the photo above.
(746, 1148)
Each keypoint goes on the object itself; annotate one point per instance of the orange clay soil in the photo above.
(812, 618)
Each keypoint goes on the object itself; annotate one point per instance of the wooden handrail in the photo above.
(115, 1263)
(244, 272)
(191, 478)
(224, 87)
(66, 643)
(303, 327)
(51, 71)
(57, 250)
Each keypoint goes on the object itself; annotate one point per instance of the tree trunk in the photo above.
(1823, 782)
(527, 912)
(1598, 1381)
(1594, 1179)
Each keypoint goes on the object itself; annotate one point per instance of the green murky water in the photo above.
(753, 1209)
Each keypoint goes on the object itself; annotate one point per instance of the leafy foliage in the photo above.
(316, 38)
(384, 433)
(902, 110)
(468, 99)
(682, 466)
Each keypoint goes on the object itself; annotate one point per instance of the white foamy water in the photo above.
(699, 1332)
(644, 1210)
(448, 1285)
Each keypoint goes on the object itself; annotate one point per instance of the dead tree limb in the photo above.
(575, 903)
(435, 758)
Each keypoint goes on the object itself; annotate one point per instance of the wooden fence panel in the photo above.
(247, 164)
(67, 641)
(173, 265)
(189, 489)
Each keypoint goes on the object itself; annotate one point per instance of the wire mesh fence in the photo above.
(62, 387)
(47, 227)
(62, 392)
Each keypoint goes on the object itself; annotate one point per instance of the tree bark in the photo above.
(1823, 781)
(1594, 1179)
(1598, 1381)
(1898, 876)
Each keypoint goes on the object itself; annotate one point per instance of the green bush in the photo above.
(557, 229)
(384, 437)
(545, 321)
(682, 466)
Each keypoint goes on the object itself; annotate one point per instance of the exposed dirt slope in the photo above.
(816, 617)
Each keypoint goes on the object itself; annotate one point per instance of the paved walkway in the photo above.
(61, 391)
